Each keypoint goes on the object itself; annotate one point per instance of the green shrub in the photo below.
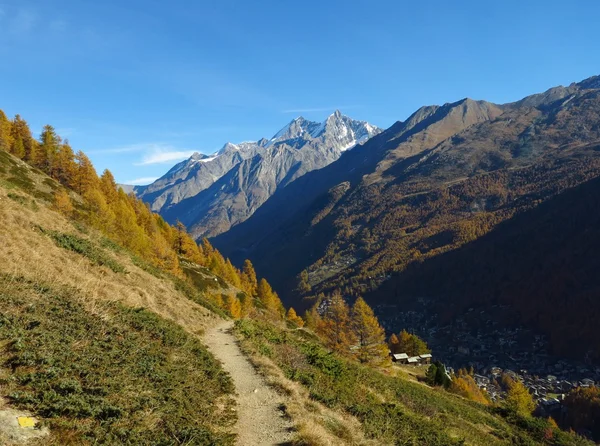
(85, 248)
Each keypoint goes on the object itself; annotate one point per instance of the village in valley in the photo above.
(490, 351)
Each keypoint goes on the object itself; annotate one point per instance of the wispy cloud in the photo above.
(165, 156)
(318, 109)
(141, 181)
(152, 153)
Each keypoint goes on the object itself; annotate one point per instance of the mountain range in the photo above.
(443, 178)
(211, 194)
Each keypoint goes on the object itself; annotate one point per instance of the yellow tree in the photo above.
(405, 342)
(62, 202)
(312, 318)
(108, 187)
(64, 166)
(369, 334)
(100, 215)
(249, 278)
(247, 304)
(518, 398)
(233, 306)
(23, 143)
(85, 175)
(6, 138)
(294, 318)
(334, 325)
(269, 298)
(464, 384)
(394, 344)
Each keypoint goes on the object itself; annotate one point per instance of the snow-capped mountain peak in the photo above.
(336, 127)
(247, 173)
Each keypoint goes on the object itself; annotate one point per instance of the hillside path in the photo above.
(260, 421)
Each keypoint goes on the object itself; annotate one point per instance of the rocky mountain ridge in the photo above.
(211, 193)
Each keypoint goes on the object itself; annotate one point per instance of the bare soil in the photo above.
(260, 418)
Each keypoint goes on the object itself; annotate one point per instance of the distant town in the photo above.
(492, 350)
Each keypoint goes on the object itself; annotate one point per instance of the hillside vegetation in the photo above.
(100, 339)
(338, 401)
(438, 181)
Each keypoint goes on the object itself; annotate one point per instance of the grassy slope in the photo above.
(94, 341)
(332, 393)
(109, 374)
(103, 346)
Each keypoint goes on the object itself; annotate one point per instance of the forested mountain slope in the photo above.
(103, 308)
(543, 263)
(444, 177)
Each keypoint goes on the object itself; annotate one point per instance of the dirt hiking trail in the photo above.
(260, 420)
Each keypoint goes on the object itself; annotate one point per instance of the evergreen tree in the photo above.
(368, 332)
(436, 375)
(431, 374)
(45, 156)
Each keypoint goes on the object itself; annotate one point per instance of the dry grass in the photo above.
(26, 252)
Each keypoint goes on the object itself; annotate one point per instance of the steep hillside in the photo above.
(96, 343)
(212, 194)
(104, 347)
(424, 186)
(543, 263)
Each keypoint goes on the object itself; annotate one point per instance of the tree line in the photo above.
(127, 220)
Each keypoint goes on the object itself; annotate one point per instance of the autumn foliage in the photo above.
(348, 331)
(408, 343)
(518, 398)
(127, 220)
(463, 384)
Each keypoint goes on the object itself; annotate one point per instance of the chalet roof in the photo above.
(400, 356)
(426, 355)
(414, 359)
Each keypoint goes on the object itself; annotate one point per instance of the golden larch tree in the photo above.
(294, 318)
(518, 397)
(334, 325)
(62, 202)
(369, 334)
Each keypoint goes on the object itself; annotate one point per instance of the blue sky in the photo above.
(139, 85)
